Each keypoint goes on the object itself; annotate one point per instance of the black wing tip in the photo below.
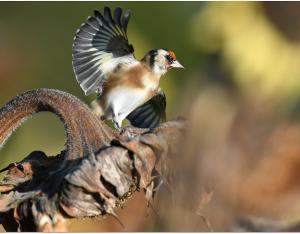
(107, 11)
(125, 19)
(151, 113)
(97, 12)
(117, 11)
(141, 123)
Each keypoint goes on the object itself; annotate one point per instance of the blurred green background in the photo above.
(249, 49)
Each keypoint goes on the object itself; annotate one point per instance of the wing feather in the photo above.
(125, 21)
(150, 114)
(100, 45)
(117, 16)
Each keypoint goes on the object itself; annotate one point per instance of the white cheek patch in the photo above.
(160, 66)
(159, 69)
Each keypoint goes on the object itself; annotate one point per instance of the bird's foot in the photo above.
(130, 135)
(127, 133)
(124, 131)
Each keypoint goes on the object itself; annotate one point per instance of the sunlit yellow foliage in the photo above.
(263, 61)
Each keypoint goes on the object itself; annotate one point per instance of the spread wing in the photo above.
(100, 47)
(150, 114)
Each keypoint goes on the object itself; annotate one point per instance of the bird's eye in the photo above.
(168, 57)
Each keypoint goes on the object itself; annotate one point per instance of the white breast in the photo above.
(123, 100)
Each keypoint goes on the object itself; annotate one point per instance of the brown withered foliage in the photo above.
(96, 173)
(246, 157)
(237, 169)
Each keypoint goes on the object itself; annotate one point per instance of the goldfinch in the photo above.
(103, 62)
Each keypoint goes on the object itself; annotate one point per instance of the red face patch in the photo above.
(172, 54)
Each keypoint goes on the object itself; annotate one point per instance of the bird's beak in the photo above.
(176, 64)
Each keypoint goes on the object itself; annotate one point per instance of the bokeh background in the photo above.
(239, 167)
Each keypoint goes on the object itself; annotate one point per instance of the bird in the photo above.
(104, 63)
